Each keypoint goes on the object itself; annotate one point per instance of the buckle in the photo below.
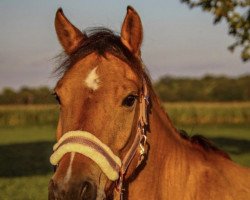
(119, 188)
(143, 139)
(143, 150)
(146, 98)
(142, 145)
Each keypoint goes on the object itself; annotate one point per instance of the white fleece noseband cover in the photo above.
(88, 145)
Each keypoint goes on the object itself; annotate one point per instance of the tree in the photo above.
(27, 95)
(8, 96)
(207, 88)
(237, 15)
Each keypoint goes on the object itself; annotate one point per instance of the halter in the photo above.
(87, 144)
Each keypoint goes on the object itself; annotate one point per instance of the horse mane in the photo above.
(102, 40)
(204, 143)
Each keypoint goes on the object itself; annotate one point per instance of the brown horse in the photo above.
(115, 140)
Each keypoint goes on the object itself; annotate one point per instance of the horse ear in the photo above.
(132, 33)
(68, 35)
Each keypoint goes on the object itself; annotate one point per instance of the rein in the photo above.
(87, 144)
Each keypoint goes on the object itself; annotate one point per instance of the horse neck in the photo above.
(176, 169)
(165, 143)
(163, 137)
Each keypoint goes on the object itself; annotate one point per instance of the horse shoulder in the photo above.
(238, 178)
(221, 178)
(205, 175)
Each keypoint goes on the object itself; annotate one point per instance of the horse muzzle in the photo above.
(87, 144)
(81, 186)
(85, 190)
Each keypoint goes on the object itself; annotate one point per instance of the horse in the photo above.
(114, 140)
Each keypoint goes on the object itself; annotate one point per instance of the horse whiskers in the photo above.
(84, 190)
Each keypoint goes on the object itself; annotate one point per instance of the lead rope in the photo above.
(139, 142)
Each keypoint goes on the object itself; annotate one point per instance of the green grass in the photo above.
(192, 113)
(21, 115)
(25, 169)
(181, 113)
(24, 188)
(24, 134)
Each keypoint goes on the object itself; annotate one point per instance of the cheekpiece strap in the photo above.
(139, 142)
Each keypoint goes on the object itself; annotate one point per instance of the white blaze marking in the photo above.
(92, 81)
(69, 170)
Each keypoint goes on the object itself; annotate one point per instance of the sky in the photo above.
(177, 41)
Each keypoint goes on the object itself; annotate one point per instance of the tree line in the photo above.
(207, 88)
(27, 95)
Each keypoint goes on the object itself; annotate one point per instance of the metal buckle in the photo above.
(119, 183)
(146, 98)
(142, 145)
(143, 139)
(142, 149)
(119, 187)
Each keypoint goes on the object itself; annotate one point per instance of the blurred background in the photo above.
(198, 60)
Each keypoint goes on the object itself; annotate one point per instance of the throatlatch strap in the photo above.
(87, 144)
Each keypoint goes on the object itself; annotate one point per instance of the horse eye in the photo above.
(129, 100)
(57, 97)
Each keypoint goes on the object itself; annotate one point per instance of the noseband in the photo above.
(87, 144)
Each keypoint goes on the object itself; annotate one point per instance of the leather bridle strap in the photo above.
(139, 141)
(140, 133)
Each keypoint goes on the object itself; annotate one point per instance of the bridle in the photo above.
(87, 144)
(139, 143)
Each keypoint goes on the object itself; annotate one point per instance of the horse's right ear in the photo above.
(132, 33)
(69, 36)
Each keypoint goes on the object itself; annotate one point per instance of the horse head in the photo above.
(103, 100)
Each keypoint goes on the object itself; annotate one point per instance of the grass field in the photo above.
(25, 150)
(193, 113)
(28, 115)
(25, 168)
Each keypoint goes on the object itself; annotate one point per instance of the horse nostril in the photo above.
(88, 191)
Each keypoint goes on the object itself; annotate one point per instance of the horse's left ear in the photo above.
(69, 36)
(132, 33)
